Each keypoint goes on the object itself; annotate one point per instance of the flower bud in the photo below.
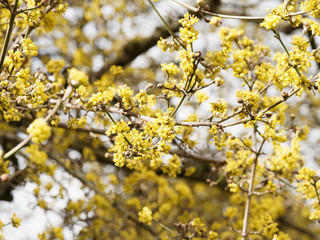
(4, 177)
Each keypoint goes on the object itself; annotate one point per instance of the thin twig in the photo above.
(244, 232)
(232, 16)
(53, 111)
(8, 34)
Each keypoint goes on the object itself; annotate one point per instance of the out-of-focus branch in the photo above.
(80, 176)
(135, 48)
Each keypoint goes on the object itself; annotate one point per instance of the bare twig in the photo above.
(232, 16)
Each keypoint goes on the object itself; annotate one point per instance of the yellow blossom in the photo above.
(39, 130)
(201, 96)
(29, 48)
(116, 70)
(145, 216)
(15, 220)
(78, 77)
(55, 66)
(187, 32)
(219, 108)
(171, 69)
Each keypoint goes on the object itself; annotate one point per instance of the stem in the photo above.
(316, 190)
(109, 115)
(114, 122)
(8, 34)
(231, 16)
(16, 148)
(29, 9)
(165, 24)
(176, 109)
(166, 228)
(244, 232)
(277, 35)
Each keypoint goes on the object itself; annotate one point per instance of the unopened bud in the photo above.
(16, 47)
(269, 114)
(149, 85)
(160, 85)
(219, 81)
(284, 95)
(200, 3)
(206, 8)
(197, 54)
(240, 100)
(4, 177)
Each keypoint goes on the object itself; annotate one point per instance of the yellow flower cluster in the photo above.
(37, 156)
(248, 96)
(186, 61)
(125, 93)
(311, 25)
(187, 32)
(212, 235)
(228, 36)
(74, 123)
(100, 97)
(171, 45)
(171, 69)
(306, 182)
(55, 66)
(201, 96)
(39, 130)
(219, 136)
(311, 6)
(173, 167)
(38, 93)
(239, 157)
(23, 80)
(145, 215)
(218, 61)
(138, 148)
(15, 220)
(272, 20)
(29, 48)
(77, 77)
(216, 21)
(289, 67)
(14, 60)
(145, 102)
(220, 108)
(116, 70)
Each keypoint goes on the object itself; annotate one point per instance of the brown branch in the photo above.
(135, 48)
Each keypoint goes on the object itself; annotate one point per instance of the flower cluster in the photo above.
(219, 109)
(272, 20)
(145, 215)
(308, 184)
(15, 220)
(39, 130)
(171, 69)
(77, 77)
(29, 48)
(311, 6)
(187, 32)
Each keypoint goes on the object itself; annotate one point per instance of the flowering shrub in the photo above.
(206, 142)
